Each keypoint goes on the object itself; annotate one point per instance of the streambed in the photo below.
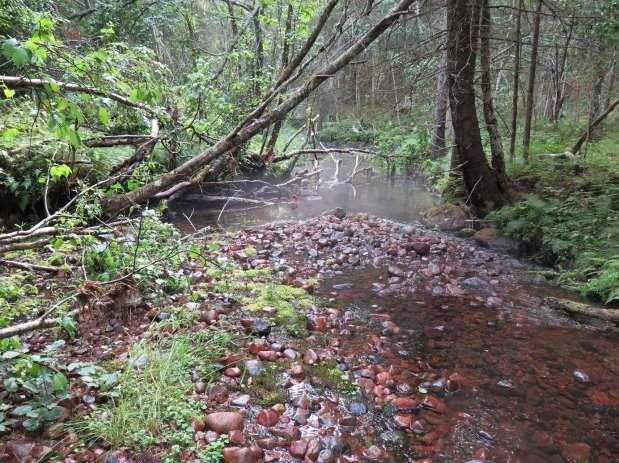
(489, 370)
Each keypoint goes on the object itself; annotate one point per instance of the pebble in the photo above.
(357, 408)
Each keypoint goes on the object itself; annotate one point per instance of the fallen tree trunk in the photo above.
(251, 126)
(585, 136)
(611, 315)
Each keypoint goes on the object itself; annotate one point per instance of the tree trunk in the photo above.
(531, 88)
(492, 126)
(270, 147)
(440, 110)
(479, 179)
(514, 127)
(595, 105)
(259, 118)
(558, 77)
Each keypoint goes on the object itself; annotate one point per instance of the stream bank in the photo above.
(339, 338)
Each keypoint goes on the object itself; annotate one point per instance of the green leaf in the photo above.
(13, 50)
(24, 410)
(60, 382)
(32, 424)
(10, 134)
(9, 93)
(104, 115)
(59, 171)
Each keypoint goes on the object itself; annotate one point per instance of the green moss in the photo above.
(266, 388)
(333, 378)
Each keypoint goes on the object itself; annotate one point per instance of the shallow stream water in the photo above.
(539, 388)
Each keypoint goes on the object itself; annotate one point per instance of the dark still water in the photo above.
(534, 387)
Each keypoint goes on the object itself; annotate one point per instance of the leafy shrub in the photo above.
(574, 221)
(152, 252)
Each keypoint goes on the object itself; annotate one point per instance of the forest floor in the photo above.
(339, 338)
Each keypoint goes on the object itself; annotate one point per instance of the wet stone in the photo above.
(581, 376)
(298, 448)
(357, 408)
(224, 422)
(241, 400)
(261, 327)
(254, 367)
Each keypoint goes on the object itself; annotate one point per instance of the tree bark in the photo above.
(479, 179)
(514, 126)
(258, 120)
(492, 126)
(531, 88)
(437, 148)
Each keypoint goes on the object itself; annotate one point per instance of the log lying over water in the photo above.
(611, 315)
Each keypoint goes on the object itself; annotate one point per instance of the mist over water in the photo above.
(400, 198)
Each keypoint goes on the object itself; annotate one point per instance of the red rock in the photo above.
(197, 425)
(224, 422)
(434, 403)
(232, 372)
(239, 455)
(297, 372)
(209, 316)
(298, 448)
(268, 355)
(480, 454)
(258, 346)
(383, 378)
(404, 403)
(22, 452)
(236, 437)
(366, 383)
(310, 357)
(318, 323)
(379, 391)
(578, 452)
(267, 418)
(403, 421)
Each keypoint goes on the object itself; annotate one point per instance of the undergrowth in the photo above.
(572, 217)
(152, 402)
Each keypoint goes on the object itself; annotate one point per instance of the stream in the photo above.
(514, 381)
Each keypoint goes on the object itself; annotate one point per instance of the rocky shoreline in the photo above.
(309, 380)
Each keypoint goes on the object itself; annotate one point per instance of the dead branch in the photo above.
(319, 151)
(116, 140)
(21, 82)
(39, 323)
(29, 266)
(585, 136)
